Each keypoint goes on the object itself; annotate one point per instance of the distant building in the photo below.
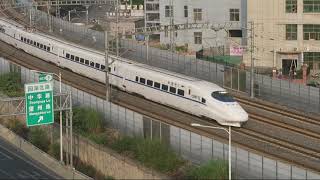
(199, 11)
(152, 13)
(287, 33)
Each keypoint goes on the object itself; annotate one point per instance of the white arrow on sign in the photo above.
(40, 119)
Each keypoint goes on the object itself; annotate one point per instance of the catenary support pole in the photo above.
(252, 61)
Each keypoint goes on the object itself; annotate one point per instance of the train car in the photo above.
(198, 97)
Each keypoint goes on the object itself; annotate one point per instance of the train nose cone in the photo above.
(239, 115)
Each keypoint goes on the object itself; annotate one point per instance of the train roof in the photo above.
(197, 82)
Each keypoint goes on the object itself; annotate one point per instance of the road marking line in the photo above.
(5, 155)
(7, 174)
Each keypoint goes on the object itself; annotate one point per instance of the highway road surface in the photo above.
(14, 164)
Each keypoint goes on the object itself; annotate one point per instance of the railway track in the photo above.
(246, 133)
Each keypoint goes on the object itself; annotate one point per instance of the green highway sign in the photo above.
(39, 103)
(45, 77)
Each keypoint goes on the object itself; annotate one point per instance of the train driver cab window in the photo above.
(81, 60)
(72, 57)
(181, 92)
(137, 78)
(203, 100)
(68, 55)
(149, 83)
(157, 85)
(164, 87)
(142, 80)
(86, 62)
(77, 58)
(92, 64)
(109, 69)
(173, 90)
(222, 96)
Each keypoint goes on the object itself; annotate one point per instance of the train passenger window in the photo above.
(44, 47)
(77, 58)
(189, 91)
(109, 69)
(81, 60)
(34, 43)
(68, 55)
(72, 57)
(41, 46)
(149, 83)
(203, 100)
(164, 87)
(24, 39)
(157, 85)
(103, 67)
(142, 80)
(86, 62)
(31, 42)
(38, 44)
(173, 90)
(28, 41)
(137, 78)
(92, 64)
(21, 38)
(48, 48)
(181, 92)
(97, 66)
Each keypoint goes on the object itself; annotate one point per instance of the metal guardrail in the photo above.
(15, 4)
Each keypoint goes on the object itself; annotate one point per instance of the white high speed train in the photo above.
(198, 97)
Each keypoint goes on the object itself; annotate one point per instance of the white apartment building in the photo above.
(202, 11)
(287, 33)
(152, 14)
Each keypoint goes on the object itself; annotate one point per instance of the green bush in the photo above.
(97, 27)
(89, 170)
(10, 84)
(54, 150)
(38, 137)
(99, 138)
(152, 153)
(87, 120)
(126, 144)
(19, 128)
(214, 169)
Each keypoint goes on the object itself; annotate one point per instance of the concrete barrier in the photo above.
(40, 156)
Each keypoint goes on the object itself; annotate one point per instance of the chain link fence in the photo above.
(192, 146)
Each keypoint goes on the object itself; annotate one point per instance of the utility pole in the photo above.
(117, 29)
(106, 65)
(49, 16)
(145, 27)
(252, 60)
(171, 25)
(58, 9)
